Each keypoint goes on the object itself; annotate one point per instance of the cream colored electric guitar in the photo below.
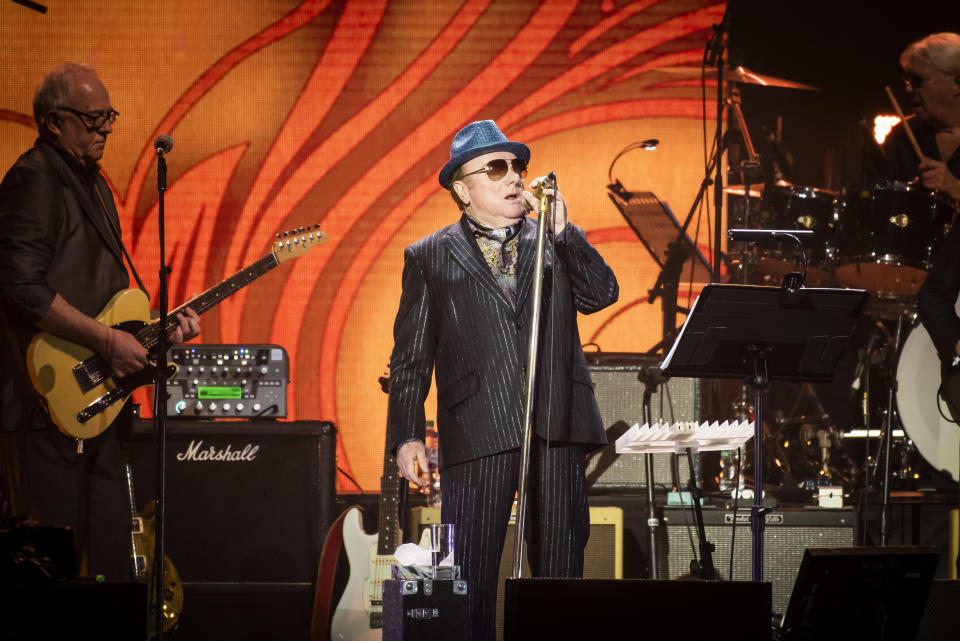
(81, 396)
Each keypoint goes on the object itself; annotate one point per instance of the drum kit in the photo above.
(881, 237)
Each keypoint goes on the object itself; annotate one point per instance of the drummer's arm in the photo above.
(935, 175)
(938, 296)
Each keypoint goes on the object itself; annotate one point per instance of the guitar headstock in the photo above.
(297, 242)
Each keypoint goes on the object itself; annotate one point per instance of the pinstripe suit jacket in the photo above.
(453, 316)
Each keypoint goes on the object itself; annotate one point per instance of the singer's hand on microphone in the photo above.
(554, 196)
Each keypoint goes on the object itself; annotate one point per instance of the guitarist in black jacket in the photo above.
(465, 310)
(60, 262)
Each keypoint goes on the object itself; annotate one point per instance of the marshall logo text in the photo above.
(196, 452)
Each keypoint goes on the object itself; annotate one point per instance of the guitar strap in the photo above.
(116, 236)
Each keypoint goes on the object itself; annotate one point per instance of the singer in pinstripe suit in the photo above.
(465, 310)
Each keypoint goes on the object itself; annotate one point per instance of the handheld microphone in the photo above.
(548, 182)
(163, 144)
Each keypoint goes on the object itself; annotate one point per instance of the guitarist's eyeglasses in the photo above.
(96, 120)
(496, 169)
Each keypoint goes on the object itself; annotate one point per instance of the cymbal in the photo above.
(739, 74)
(756, 191)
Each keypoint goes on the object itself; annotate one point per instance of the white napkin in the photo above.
(412, 554)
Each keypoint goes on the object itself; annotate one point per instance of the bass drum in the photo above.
(918, 379)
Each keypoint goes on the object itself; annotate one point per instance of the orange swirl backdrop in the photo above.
(288, 113)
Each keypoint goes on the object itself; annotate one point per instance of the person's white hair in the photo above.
(54, 91)
(939, 50)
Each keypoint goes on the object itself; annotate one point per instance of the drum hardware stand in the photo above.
(887, 435)
(747, 167)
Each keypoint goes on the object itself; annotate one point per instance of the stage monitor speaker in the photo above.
(860, 593)
(941, 617)
(619, 388)
(787, 534)
(602, 558)
(636, 608)
(248, 506)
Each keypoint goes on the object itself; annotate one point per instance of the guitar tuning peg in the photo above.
(278, 236)
(286, 234)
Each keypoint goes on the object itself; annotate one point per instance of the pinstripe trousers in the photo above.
(477, 498)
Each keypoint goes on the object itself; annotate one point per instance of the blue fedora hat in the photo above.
(478, 138)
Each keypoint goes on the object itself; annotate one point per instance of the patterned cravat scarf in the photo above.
(499, 249)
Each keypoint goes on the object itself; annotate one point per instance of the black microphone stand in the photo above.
(713, 56)
(651, 379)
(160, 405)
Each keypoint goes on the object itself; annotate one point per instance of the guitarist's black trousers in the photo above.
(477, 497)
(86, 492)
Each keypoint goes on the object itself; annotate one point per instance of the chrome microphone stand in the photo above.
(536, 297)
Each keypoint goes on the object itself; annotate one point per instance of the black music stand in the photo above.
(762, 334)
(669, 245)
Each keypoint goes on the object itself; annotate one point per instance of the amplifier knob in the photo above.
(239, 407)
(226, 407)
(236, 371)
(256, 407)
(200, 369)
(213, 370)
(213, 407)
(180, 406)
(198, 407)
(190, 369)
(264, 371)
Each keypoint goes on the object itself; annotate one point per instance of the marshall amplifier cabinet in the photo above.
(787, 533)
(248, 507)
(228, 381)
(619, 382)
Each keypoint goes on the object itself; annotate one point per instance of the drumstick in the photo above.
(906, 127)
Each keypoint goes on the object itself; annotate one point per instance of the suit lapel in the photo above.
(464, 250)
(526, 253)
(92, 210)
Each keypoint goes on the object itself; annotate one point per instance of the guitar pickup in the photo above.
(89, 373)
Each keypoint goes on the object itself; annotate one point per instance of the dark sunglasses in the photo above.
(496, 169)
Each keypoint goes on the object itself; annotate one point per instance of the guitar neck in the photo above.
(149, 335)
(392, 487)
